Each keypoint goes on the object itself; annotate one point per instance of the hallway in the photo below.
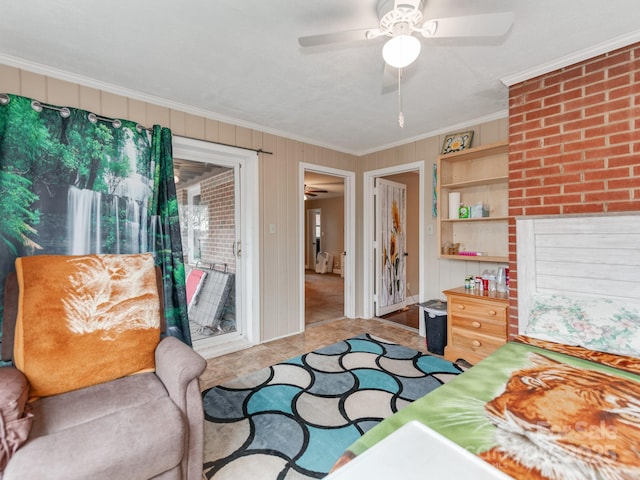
(324, 300)
(323, 296)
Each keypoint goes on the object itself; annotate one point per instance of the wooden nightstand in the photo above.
(476, 323)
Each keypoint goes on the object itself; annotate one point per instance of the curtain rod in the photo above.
(257, 150)
(93, 118)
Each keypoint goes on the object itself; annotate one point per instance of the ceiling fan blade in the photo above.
(484, 25)
(336, 37)
(313, 190)
(309, 194)
(419, 4)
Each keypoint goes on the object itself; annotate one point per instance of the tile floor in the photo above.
(222, 369)
(325, 324)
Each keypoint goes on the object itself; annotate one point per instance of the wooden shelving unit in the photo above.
(480, 174)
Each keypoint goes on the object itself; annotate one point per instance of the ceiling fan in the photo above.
(400, 19)
(313, 192)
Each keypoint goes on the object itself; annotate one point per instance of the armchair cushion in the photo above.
(127, 428)
(85, 320)
(148, 425)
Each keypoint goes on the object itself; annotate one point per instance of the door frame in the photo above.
(368, 214)
(248, 233)
(349, 235)
(191, 192)
(311, 231)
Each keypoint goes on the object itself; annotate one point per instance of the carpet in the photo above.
(293, 420)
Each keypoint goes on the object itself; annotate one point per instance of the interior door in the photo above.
(313, 236)
(390, 243)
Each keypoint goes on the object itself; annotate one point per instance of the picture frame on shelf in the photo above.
(455, 142)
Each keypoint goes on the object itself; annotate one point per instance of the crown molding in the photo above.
(572, 58)
(162, 102)
(52, 72)
(441, 131)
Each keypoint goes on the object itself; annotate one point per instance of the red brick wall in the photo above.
(574, 144)
(219, 194)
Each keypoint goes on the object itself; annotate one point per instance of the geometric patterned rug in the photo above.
(293, 420)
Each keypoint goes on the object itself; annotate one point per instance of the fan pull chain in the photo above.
(400, 114)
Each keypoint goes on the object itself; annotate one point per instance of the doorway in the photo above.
(413, 174)
(215, 187)
(327, 235)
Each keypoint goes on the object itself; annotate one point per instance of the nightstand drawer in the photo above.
(477, 323)
(479, 345)
(478, 309)
(496, 328)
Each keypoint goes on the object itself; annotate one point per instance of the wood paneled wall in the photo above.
(439, 274)
(278, 176)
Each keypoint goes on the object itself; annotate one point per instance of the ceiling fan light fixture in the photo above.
(401, 50)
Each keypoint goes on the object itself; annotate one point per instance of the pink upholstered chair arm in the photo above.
(177, 365)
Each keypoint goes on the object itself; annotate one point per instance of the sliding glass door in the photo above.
(209, 184)
(208, 201)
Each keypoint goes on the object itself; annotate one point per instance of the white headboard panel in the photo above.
(596, 255)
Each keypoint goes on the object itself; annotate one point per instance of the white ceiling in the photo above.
(239, 60)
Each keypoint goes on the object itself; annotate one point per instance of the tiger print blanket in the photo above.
(535, 413)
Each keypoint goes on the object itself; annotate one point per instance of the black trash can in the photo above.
(435, 321)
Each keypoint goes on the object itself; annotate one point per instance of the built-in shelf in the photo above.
(478, 258)
(480, 174)
(471, 220)
(474, 183)
(481, 152)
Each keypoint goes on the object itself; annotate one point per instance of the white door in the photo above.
(390, 242)
(218, 228)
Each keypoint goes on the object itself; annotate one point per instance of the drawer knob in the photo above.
(460, 307)
(476, 324)
(476, 343)
(492, 312)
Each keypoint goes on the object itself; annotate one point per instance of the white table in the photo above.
(417, 451)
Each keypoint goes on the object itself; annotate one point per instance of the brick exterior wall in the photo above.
(574, 144)
(219, 194)
(216, 246)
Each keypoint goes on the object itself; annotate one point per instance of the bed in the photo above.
(561, 399)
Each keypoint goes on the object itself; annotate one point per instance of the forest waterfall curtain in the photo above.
(72, 182)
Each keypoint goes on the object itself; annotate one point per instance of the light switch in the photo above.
(272, 228)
